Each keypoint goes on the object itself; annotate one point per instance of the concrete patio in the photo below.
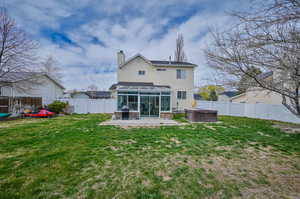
(147, 122)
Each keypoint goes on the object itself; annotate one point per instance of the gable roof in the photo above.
(237, 96)
(78, 92)
(134, 57)
(98, 94)
(229, 93)
(13, 77)
(160, 62)
(197, 96)
(94, 94)
(172, 63)
(264, 75)
(136, 84)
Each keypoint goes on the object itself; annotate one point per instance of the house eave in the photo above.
(134, 57)
(175, 66)
(237, 96)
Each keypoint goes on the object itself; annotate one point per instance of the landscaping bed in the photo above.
(74, 157)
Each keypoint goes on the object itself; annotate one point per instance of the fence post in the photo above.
(104, 104)
(228, 108)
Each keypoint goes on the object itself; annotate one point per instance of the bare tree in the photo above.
(50, 66)
(17, 52)
(179, 52)
(246, 82)
(267, 39)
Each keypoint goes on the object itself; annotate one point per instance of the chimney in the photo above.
(121, 58)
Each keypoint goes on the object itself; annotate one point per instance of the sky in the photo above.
(84, 36)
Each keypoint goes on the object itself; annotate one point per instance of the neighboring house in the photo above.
(153, 88)
(91, 95)
(99, 94)
(79, 95)
(256, 95)
(197, 96)
(33, 85)
(226, 96)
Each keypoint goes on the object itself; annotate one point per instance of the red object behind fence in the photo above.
(41, 113)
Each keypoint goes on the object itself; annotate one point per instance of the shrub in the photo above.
(57, 106)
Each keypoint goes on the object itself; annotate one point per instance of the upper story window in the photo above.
(142, 72)
(161, 69)
(180, 74)
(181, 94)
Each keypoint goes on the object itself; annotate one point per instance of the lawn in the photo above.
(74, 157)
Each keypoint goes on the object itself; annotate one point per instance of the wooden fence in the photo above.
(18, 104)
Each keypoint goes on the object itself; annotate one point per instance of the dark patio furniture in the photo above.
(125, 113)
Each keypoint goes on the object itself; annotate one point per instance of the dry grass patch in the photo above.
(209, 127)
(165, 176)
(175, 140)
(268, 174)
(14, 123)
(288, 128)
(74, 157)
(127, 142)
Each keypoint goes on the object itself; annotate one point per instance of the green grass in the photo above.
(74, 157)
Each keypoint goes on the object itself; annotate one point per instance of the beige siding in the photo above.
(223, 98)
(47, 89)
(240, 99)
(129, 73)
(258, 95)
(80, 96)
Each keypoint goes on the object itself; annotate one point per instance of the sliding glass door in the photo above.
(144, 106)
(149, 106)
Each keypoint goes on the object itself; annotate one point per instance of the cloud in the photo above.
(85, 35)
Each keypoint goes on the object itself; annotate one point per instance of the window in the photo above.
(180, 74)
(128, 100)
(142, 72)
(165, 103)
(161, 69)
(181, 94)
(133, 102)
(122, 101)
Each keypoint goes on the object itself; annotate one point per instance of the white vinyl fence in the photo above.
(261, 111)
(84, 106)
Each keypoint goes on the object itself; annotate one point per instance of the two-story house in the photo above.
(153, 88)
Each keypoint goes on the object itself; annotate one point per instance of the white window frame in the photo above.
(180, 74)
(141, 72)
(181, 95)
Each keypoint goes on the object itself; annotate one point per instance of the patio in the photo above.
(147, 122)
(143, 100)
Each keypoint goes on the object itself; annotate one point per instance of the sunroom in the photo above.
(143, 101)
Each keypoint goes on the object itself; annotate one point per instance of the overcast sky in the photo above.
(85, 35)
